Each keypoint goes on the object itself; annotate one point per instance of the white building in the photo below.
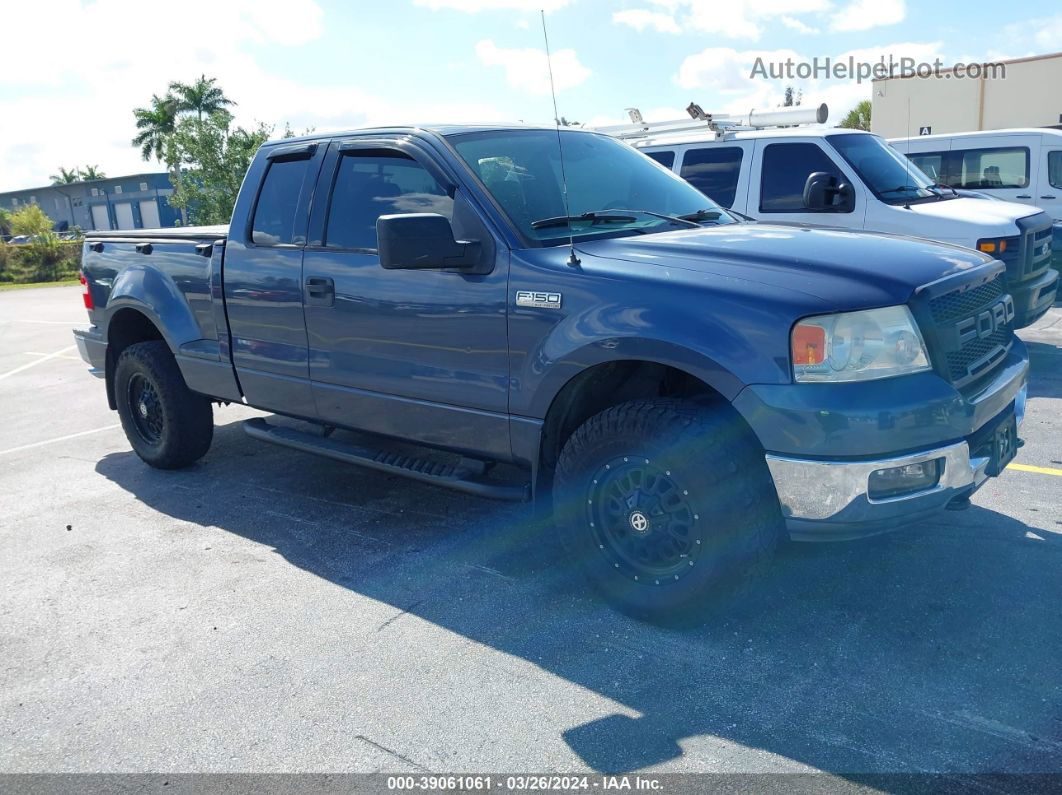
(1027, 96)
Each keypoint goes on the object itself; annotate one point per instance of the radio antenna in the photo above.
(573, 260)
(907, 193)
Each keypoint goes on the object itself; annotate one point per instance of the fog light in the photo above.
(908, 479)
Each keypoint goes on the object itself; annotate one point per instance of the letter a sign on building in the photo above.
(925, 130)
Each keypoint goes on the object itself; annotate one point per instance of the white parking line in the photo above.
(44, 322)
(60, 439)
(44, 357)
(54, 356)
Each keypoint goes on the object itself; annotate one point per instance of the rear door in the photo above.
(263, 282)
(1049, 187)
(418, 354)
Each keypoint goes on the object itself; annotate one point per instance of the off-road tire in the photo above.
(717, 517)
(168, 425)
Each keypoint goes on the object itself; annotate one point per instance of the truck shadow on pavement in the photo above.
(932, 649)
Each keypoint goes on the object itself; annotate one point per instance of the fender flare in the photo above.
(145, 290)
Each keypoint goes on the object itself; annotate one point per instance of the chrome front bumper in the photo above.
(830, 500)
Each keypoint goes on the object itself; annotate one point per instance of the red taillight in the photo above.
(87, 296)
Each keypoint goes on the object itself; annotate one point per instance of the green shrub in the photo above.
(45, 261)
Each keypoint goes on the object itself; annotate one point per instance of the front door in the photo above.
(776, 192)
(1049, 191)
(417, 354)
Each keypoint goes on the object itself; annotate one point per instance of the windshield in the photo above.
(619, 190)
(892, 177)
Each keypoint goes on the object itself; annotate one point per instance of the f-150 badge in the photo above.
(538, 300)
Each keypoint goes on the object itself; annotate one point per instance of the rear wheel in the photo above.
(663, 501)
(168, 425)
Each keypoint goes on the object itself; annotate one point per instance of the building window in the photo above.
(95, 191)
(33, 199)
(143, 186)
(117, 188)
(14, 202)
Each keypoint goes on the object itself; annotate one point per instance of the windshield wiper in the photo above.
(598, 217)
(901, 188)
(701, 215)
(676, 219)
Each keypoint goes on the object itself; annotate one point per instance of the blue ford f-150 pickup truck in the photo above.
(552, 315)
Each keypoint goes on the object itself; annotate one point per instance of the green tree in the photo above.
(31, 220)
(202, 97)
(154, 124)
(858, 118)
(213, 159)
(92, 172)
(5, 221)
(65, 177)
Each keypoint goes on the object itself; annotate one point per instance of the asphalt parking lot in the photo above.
(268, 610)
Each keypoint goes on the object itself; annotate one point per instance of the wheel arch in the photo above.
(602, 384)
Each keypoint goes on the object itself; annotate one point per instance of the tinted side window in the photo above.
(374, 182)
(714, 172)
(994, 168)
(785, 169)
(931, 163)
(666, 159)
(274, 213)
(1054, 168)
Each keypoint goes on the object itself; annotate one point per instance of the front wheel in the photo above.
(168, 425)
(661, 502)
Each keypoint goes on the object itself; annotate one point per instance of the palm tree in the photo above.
(65, 177)
(92, 172)
(155, 124)
(858, 118)
(201, 97)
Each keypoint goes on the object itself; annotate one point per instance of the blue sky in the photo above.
(334, 65)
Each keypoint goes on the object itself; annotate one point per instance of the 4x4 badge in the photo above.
(538, 300)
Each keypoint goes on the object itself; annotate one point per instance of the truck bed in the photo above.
(167, 233)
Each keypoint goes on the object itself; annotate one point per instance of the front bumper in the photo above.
(830, 500)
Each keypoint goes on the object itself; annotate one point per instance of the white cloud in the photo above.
(732, 19)
(728, 72)
(475, 6)
(642, 18)
(74, 107)
(795, 24)
(1044, 33)
(866, 14)
(528, 68)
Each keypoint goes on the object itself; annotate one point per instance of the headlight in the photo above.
(858, 346)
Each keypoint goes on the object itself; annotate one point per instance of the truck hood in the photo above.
(846, 270)
(976, 212)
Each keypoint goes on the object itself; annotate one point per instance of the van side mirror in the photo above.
(422, 241)
(823, 193)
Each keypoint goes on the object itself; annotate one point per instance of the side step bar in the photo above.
(463, 477)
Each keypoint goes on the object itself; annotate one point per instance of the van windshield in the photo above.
(890, 175)
(613, 190)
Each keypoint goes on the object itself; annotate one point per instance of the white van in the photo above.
(1023, 165)
(854, 180)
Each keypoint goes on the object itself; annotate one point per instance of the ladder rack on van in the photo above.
(713, 123)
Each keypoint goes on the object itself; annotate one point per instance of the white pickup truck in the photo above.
(851, 179)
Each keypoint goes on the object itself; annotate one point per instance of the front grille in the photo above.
(963, 328)
(977, 357)
(954, 305)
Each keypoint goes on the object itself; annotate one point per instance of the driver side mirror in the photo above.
(823, 193)
(422, 241)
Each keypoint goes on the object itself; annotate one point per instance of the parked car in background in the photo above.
(851, 179)
(1020, 165)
